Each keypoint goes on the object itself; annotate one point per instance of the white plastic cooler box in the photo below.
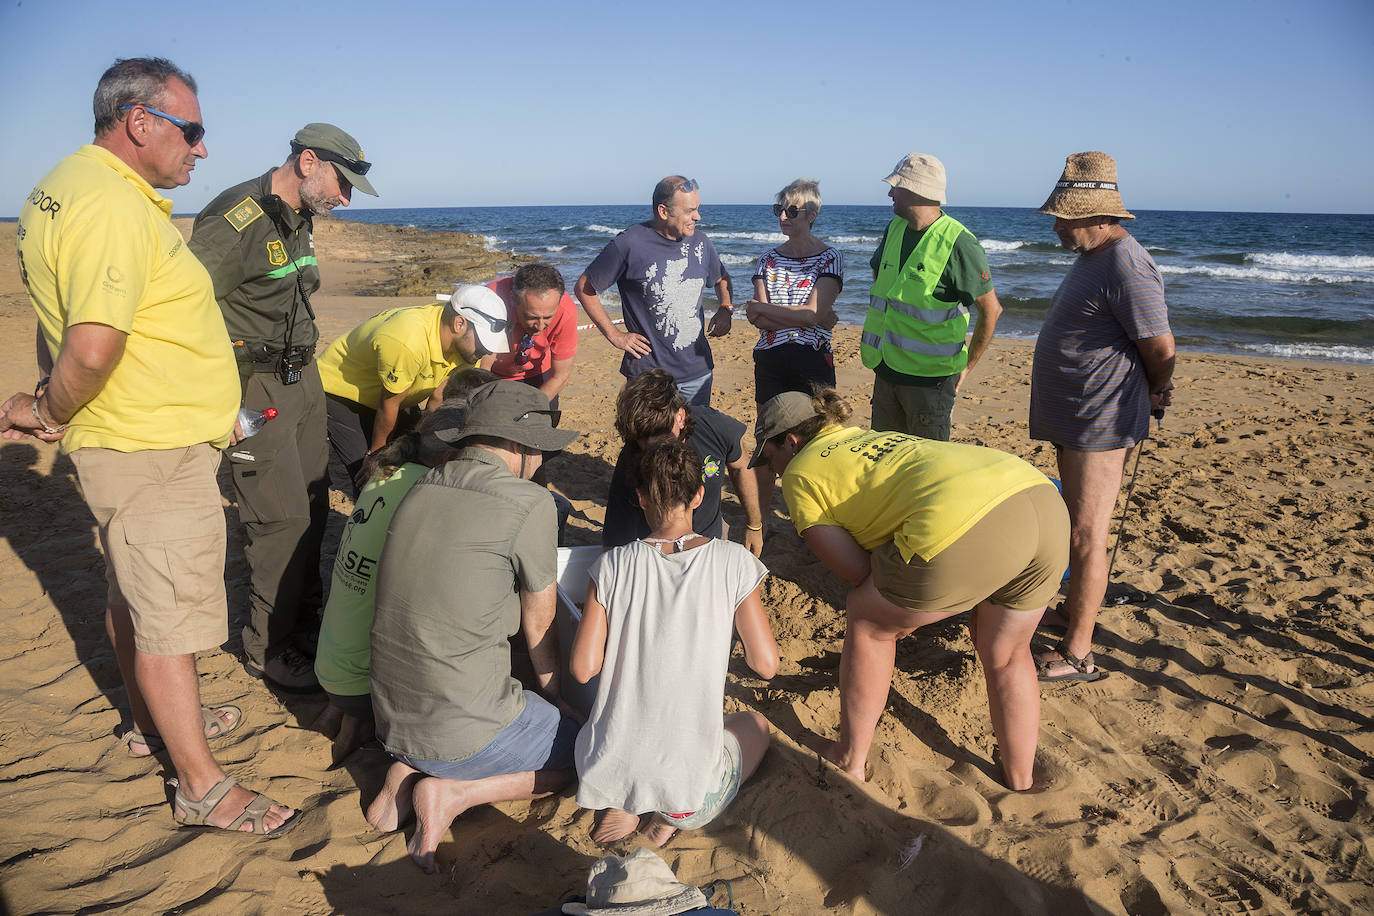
(573, 563)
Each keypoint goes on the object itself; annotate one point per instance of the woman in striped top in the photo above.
(795, 286)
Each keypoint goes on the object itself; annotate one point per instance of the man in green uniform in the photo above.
(928, 271)
(255, 239)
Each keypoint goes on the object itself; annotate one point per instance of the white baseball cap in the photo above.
(486, 312)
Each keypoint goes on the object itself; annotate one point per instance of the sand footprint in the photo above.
(1216, 889)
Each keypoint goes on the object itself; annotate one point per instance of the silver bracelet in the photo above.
(51, 431)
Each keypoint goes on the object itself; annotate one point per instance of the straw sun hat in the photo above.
(1087, 188)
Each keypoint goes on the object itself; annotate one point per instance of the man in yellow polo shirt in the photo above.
(396, 360)
(142, 395)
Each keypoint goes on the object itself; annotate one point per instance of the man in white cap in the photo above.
(928, 272)
(397, 360)
(257, 241)
(1103, 362)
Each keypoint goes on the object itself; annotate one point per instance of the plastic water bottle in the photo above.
(250, 421)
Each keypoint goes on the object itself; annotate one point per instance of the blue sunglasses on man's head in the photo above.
(192, 131)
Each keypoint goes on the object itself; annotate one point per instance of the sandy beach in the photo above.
(1223, 766)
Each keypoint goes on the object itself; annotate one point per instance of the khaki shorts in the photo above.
(1014, 556)
(161, 521)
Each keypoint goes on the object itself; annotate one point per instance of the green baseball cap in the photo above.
(787, 410)
(335, 146)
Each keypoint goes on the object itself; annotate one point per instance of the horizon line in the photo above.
(343, 213)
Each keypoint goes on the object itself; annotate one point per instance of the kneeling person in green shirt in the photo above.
(471, 558)
(398, 359)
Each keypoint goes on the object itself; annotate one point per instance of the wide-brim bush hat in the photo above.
(640, 884)
(515, 411)
(921, 174)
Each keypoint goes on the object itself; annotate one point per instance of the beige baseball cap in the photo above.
(920, 173)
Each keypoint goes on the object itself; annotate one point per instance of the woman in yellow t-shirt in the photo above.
(923, 530)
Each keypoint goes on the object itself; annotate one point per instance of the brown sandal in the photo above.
(196, 812)
(1080, 666)
(214, 728)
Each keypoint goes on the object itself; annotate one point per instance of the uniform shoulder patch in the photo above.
(243, 214)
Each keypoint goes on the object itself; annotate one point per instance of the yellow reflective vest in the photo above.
(906, 326)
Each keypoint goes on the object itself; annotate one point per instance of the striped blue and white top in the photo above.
(1088, 385)
(790, 282)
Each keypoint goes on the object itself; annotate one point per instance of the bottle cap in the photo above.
(270, 413)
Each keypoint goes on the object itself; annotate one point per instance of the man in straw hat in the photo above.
(1104, 360)
(469, 559)
(928, 271)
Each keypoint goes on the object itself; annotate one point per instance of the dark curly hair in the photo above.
(669, 475)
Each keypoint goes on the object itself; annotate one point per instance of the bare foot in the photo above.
(437, 803)
(660, 831)
(353, 734)
(614, 824)
(392, 807)
(830, 750)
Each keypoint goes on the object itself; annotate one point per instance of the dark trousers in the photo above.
(281, 477)
(923, 409)
(791, 367)
(350, 434)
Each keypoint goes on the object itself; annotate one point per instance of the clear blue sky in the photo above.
(1265, 106)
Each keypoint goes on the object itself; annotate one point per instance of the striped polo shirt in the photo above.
(1088, 385)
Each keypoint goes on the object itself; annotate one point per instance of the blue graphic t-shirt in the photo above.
(661, 283)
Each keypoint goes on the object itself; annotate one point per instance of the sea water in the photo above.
(1276, 284)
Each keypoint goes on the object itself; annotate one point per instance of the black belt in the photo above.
(259, 354)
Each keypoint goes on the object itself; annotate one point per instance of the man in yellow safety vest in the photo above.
(928, 271)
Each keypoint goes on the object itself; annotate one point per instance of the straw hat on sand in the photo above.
(1087, 188)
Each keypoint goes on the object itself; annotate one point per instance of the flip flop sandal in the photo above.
(214, 728)
(1080, 667)
(196, 812)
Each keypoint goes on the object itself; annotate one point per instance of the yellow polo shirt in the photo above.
(397, 351)
(97, 245)
(921, 494)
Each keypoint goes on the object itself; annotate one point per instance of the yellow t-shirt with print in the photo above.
(921, 494)
(97, 245)
(397, 351)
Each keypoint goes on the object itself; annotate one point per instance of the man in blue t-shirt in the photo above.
(661, 268)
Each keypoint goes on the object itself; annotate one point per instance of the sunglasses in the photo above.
(353, 165)
(687, 186)
(192, 131)
(497, 324)
(792, 211)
